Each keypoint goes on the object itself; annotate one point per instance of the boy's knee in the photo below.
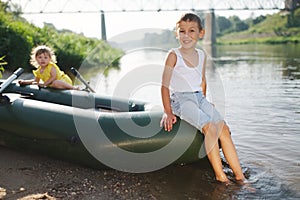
(223, 127)
(226, 129)
(209, 128)
(225, 133)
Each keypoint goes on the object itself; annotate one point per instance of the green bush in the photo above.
(2, 63)
(18, 37)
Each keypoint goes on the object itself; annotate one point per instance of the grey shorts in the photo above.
(194, 108)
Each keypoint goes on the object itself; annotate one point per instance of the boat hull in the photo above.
(128, 141)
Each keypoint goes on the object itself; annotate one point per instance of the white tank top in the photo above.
(185, 78)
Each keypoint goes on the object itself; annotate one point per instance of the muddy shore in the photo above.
(27, 175)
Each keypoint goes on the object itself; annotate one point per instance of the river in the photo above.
(259, 88)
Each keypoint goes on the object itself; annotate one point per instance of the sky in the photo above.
(119, 23)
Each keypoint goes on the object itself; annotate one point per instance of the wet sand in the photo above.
(28, 175)
(25, 175)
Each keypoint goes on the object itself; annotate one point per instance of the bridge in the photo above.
(107, 6)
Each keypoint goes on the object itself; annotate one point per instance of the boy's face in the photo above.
(43, 59)
(188, 33)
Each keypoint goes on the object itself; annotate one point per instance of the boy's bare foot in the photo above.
(226, 183)
(222, 178)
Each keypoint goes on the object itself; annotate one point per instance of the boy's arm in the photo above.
(166, 78)
(169, 118)
(203, 83)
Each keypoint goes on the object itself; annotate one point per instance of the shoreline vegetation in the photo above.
(280, 28)
(259, 40)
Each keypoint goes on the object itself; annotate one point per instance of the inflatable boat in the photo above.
(91, 129)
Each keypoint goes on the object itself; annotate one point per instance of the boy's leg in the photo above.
(212, 150)
(229, 151)
(188, 109)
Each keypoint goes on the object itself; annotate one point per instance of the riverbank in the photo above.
(258, 40)
(280, 28)
(27, 175)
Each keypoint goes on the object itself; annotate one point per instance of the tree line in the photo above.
(282, 27)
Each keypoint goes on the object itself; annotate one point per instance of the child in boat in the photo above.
(47, 73)
(184, 94)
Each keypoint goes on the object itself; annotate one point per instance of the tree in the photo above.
(223, 24)
(258, 19)
(238, 24)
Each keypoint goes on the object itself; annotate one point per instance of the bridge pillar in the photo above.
(103, 27)
(210, 28)
(291, 4)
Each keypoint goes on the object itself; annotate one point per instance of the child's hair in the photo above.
(40, 50)
(190, 17)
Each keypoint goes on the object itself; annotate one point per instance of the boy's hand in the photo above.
(167, 121)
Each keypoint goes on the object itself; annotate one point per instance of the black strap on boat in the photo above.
(4, 100)
(79, 77)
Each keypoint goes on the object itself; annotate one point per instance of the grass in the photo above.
(262, 40)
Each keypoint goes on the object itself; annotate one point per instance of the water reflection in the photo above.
(291, 72)
(284, 58)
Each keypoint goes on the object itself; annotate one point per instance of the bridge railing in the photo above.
(92, 6)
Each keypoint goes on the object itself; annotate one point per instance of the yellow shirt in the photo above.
(45, 75)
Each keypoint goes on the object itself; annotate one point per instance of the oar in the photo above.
(78, 75)
(10, 79)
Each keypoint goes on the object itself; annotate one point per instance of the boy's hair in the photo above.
(190, 17)
(40, 50)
